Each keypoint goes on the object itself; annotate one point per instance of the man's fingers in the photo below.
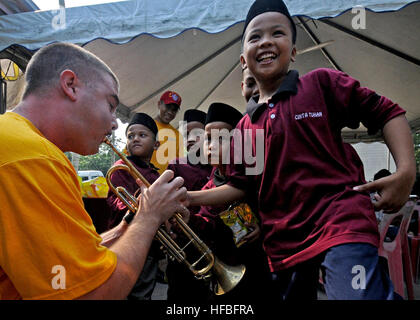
(182, 195)
(166, 176)
(141, 185)
(177, 183)
(184, 212)
(168, 227)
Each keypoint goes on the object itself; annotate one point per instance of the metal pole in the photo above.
(3, 96)
(75, 157)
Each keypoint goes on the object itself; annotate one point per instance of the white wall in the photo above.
(375, 156)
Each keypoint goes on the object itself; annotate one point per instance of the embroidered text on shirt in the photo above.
(304, 115)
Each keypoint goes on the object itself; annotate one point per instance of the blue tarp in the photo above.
(120, 22)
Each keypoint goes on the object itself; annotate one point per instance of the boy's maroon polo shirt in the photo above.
(305, 190)
(195, 175)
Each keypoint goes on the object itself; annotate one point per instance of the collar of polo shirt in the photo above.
(287, 87)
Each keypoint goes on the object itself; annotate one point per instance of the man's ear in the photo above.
(242, 59)
(242, 88)
(293, 56)
(69, 84)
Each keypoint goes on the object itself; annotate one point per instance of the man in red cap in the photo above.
(171, 142)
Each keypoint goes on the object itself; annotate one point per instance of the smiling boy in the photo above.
(313, 199)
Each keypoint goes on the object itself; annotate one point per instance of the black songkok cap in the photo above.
(144, 119)
(195, 115)
(223, 112)
(263, 6)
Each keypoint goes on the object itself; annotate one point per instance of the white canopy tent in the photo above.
(193, 47)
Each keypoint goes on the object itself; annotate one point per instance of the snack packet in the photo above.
(235, 217)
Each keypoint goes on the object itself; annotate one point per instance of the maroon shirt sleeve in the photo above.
(118, 208)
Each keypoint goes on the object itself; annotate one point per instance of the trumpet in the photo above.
(207, 265)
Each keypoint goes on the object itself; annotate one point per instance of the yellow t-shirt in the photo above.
(49, 248)
(171, 146)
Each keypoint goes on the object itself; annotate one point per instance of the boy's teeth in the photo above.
(266, 56)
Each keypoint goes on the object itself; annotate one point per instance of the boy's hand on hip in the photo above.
(392, 192)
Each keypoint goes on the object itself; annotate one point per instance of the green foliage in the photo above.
(102, 161)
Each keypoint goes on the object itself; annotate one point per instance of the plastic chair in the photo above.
(415, 246)
(397, 251)
(415, 256)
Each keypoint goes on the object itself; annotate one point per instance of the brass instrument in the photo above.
(227, 277)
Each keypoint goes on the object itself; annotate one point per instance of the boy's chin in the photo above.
(273, 70)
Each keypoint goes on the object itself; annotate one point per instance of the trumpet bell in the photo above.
(227, 277)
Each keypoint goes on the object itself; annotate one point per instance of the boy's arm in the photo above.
(394, 190)
(225, 194)
(111, 236)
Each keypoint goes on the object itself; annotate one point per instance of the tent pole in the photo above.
(375, 43)
(217, 84)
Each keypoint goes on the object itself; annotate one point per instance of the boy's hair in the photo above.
(262, 6)
(145, 120)
(46, 65)
(223, 112)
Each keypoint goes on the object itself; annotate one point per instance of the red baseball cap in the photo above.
(169, 97)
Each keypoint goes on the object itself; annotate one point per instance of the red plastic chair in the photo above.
(397, 251)
(415, 256)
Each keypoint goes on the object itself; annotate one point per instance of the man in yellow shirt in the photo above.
(49, 248)
(171, 141)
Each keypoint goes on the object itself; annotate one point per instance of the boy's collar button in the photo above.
(271, 105)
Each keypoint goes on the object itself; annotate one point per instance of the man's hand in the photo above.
(172, 226)
(392, 192)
